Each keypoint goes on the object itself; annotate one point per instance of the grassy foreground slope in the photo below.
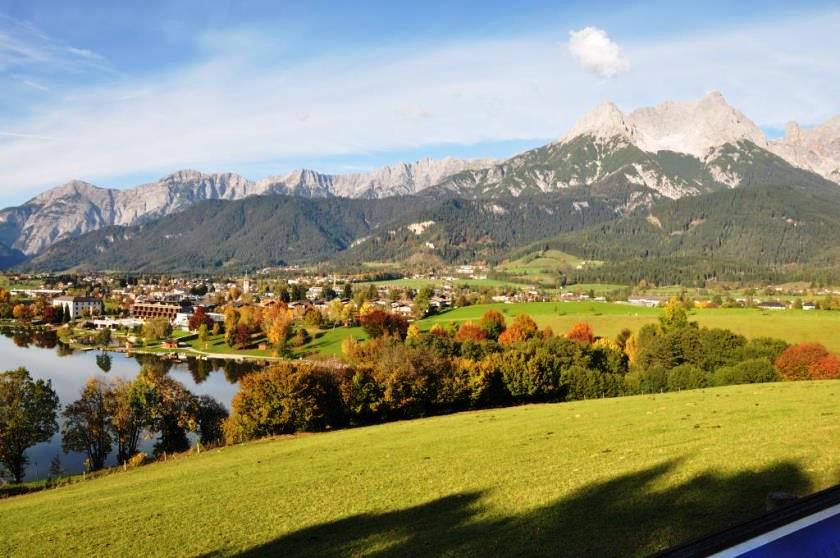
(620, 476)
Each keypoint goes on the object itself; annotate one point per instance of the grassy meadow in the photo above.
(618, 477)
(417, 284)
(608, 319)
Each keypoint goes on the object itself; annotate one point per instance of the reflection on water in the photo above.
(44, 357)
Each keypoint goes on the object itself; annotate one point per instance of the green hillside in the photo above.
(271, 230)
(734, 234)
(613, 477)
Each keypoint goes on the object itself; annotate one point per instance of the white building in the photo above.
(78, 306)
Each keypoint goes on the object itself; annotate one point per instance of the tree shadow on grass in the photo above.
(626, 516)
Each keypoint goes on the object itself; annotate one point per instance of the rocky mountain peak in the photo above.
(72, 188)
(816, 149)
(690, 127)
(693, 127)
(605, 121)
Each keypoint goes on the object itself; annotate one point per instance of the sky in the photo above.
(122, 93)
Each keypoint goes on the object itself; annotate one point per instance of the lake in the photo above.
(69, 370)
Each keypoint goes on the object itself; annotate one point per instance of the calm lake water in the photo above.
(45, 359)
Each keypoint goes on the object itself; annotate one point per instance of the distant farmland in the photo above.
(608, 319)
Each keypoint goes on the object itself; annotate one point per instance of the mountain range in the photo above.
(610, 167)
(78, 207)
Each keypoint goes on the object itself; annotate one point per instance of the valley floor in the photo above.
(624, 476)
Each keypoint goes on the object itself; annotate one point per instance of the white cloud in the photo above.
(594, 50)
(229, 111)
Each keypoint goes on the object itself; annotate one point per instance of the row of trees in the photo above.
(108, 415)
(27, 310)
(491, 363)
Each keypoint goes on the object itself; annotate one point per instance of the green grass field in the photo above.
(614, 477)
(459, 282)
(539, 262)
(608, 319)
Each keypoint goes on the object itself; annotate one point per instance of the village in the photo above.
(162, 314)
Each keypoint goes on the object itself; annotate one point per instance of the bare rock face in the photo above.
(604, 122)
(816, 149)
(690, 127)
(78, 207)
(693, 127)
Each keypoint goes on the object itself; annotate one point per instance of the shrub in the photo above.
(825, 368)
(410, 379)
(486, 384)
(137, 460)
(653, 379)
(766, 347)
(284, 399)
(756, 370)
(301, 337)
(687, 376)
(796, 361)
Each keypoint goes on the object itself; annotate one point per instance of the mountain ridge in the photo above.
(672, 150)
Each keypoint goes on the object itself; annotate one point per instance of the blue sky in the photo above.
(122, 93)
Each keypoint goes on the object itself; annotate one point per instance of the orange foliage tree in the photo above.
(581, 332)
(470, 332)
(796, 361)
(493, 323)
(523, 328)
(825, 368)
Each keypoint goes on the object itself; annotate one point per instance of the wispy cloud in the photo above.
(31, 83)
(231, 108)
(25, 136)
(22, 45)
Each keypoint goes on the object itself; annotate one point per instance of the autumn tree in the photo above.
(129, 414)
(377, 323)
(796, 361)
(50, 314)
(493, 322)
(241, 336)
(157, 329)
(581, 332)
(199, 317)
(231, 321)
(469, 331)
(283, 399)
(825, 368)
(87, 424)
(277, 325)
(523, 328)
(251, 317)
(673, 315)
(27, 417)
(22, 312)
